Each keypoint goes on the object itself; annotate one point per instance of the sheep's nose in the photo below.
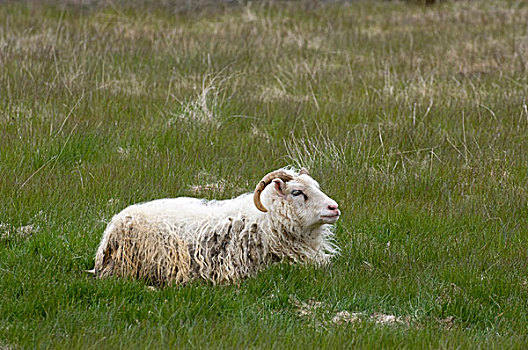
(332, 207)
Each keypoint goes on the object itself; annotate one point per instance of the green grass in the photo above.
(414, 118)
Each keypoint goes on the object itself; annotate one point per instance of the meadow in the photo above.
(413, 118)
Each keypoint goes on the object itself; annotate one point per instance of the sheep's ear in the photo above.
(304, 171)
(279, 186)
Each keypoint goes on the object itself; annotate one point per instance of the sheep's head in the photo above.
(300, 193)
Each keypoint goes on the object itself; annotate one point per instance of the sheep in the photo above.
(173, 241)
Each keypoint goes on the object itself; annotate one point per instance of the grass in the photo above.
(414, 118)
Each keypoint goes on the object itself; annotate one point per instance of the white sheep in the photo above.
(179, 239)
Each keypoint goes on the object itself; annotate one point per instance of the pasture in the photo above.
(413, 118)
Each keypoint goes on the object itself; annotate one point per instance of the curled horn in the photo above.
(304, 171)
(266, 180)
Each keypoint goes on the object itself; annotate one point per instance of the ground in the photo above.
(413, 118)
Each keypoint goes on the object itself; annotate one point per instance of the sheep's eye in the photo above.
(296, 193)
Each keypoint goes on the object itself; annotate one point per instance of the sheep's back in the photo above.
(135, 247)
(172, 247)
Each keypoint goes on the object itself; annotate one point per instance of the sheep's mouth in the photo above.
(330, 218)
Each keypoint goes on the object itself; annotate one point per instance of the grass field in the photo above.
(413, 118)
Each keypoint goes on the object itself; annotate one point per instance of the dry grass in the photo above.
(325, 316)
